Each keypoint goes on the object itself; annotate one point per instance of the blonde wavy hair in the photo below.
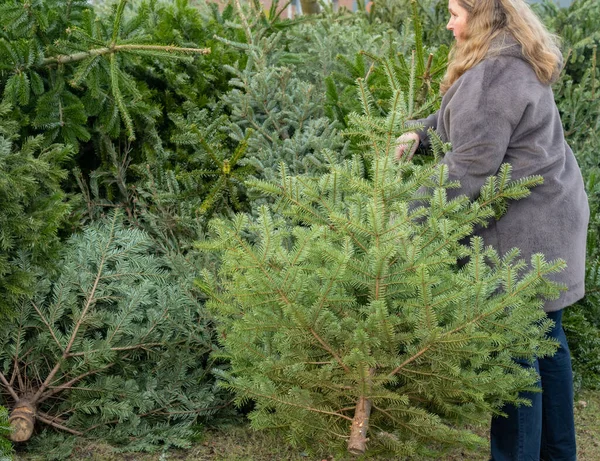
(488, 19)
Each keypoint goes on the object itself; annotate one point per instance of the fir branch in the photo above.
(304, 407)
(411, 428)
(50, 329)
(329, 349)
(47, 419)
(412, 81)
(289, 194)
(16, 374)
(89, 302)
(17, 371)
(118, 19)
(160, 412)
(501, 306)
(116, 91)
(8, 387)
(409, 360)
(365, 96)
(247, 29)
(75, 57)
(116, 349)
(52, 390)
(418, 32)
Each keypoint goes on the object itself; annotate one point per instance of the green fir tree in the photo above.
(116, 346)
(347, 316)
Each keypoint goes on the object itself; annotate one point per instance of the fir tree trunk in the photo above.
(310, 6)
(357, 444)
(22, 420)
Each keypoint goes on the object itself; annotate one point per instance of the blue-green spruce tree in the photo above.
(113, 345)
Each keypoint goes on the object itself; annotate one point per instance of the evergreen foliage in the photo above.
(432, 15)
(64, 69)
(417, 71)
(33, 208)
(577, 26)
(282, 109)
(180, 178)
(123, 96)
(347, 298)
(5, 445)
(116, 346)
(273, 112)
(85, 80)
(581, 115)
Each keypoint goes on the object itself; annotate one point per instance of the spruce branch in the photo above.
(118, 20)
(8, 387)
(50, 421)
(80, 56)
(50, 329)
(88, 303)
(53, 390)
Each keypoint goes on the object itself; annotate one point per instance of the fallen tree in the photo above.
(115, 345)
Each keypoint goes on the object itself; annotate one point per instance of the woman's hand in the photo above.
(406, 146)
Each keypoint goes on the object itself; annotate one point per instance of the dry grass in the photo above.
(242, 444)
(587, 420)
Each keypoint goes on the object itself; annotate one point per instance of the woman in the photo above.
(498, 108)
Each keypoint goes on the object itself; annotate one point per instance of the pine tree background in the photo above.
(117, 105)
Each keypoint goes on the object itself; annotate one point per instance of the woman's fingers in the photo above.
(406, 146)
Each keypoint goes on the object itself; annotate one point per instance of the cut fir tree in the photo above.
(358, 311)
(115, 346)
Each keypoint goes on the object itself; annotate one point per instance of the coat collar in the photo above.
(504, 44)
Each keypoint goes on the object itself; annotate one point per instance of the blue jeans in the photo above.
(546, 430)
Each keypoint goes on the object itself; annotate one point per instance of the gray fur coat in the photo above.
(499, 112)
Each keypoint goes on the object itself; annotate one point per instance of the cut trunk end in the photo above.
(357, 444)
(22, 421)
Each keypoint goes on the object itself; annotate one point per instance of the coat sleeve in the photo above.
(429, 122)
(480, 120)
